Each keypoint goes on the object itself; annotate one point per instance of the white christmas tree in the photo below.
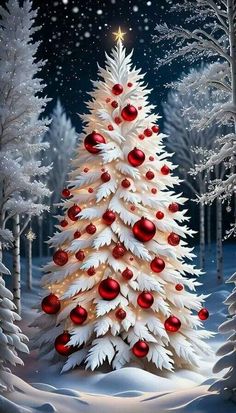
(227, 351)
(21, 186)
(11, 338)
(118, 282)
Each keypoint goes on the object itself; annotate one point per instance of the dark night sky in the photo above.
(76, 34)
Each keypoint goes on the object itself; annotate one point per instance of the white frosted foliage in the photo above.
(103, 337)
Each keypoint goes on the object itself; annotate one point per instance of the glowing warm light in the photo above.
(119, 35)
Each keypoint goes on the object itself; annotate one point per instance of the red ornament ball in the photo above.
(118, 251)
(105, 177)
(108, 100)
(148, 132)
(165, 170)
(92, 140)
(61, 344)
(145, 299)
(77, 234)
(173, 239)
(157, 265)
(66, 193)
(127, 274)
(144, 230)
(120, 314)
(90, 190)
(141, 136)
(91, 229)
(179, 287)
(109, 289)
(203, 314)
(129, 84)
(91, 271)
(129, 113)
(109, 217)
(160, 215)
(51, 304)
(60, 257)
(174, 207)
(140, 349)
(73, 212)
(155, 129)
(78, 315)
(154, 191)
(136, 157)
(125, 183)
(114, 104)
(151, 158)
(117, 120)
(64, 223)
(86, 170)
(80, 255)
(110, 127)
(117, 89)
(172, 324)
(150, 175)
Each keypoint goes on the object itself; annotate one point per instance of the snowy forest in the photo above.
(118, 206)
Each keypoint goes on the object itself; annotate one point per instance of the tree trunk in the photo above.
(209, 228)
(219, 247)
(16, 264)
(202, 235)
(29, 265)
(40, 235)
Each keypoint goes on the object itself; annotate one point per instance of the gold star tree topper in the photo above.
(119, 35)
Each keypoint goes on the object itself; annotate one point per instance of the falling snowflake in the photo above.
(149, 3)
(135, 8)
(99, 12)
(87, 35)
(75, 10)
(65, 1)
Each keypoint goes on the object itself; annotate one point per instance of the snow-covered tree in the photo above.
(210, 33)
(11, 338)
(62, 139)
(118, 283)
(190, 147)
(227, 351)
(21, 186)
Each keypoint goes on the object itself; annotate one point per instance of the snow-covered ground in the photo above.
(131, 389)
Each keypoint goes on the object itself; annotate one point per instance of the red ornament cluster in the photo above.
(144, 230)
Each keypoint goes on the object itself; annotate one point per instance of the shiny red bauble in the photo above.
(66, 193)
(114, 104)
(77, 234)
(64, 223)
(155, 129)
(117, 120)
(129, 84)
(120, 314)
(140, 349)
(179, 287)
(51, 304)
(92, 140)
(118, 251)
(73, 212)
(91, 229)
(173, 239)
(145, 299)
(109, 289)
(165, 170)
(125, 183)
(109, 217)
(110, 127)
(129, 113)
(117, 89)
(148, 132)
(157, 265)
(172, 324)
(61, 344)
(203, 314)
(174, 207)
(91, 271)
(150, 175)
(144, 230)
(136, 157)
(141, 136)
(105, 177)
(60, 257)
(160, 215)
(78, 315)
(80, 255)
(127, 274)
